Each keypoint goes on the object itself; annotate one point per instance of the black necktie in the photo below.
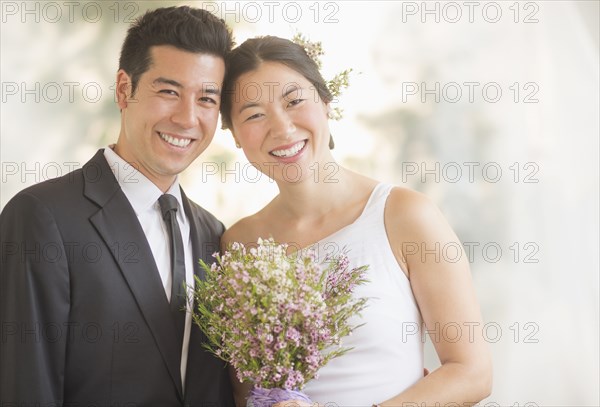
(168, 206)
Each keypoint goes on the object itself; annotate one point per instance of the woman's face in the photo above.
(281, 123)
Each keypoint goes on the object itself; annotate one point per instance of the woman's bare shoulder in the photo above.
(411, 209)
(247, 230)
(242, 231)
(414, 219)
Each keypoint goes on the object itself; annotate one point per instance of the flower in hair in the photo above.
(339, 82)
(335, 86)
(313, 49)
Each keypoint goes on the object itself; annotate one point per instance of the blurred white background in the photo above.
(491, 108)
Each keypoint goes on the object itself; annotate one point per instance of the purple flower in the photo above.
(293, 307)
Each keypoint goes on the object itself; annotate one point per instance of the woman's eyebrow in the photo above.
(290, 90)
(255, 104)
(247, 106)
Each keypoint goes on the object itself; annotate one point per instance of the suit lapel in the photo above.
(197, 234)
(117, 224)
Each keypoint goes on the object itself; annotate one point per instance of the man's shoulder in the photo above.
(52, 189)
(62, 191)
(38, 206)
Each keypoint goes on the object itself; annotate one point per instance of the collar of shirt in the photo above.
(139, 190)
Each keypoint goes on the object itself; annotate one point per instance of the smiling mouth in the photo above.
(289, 152)
(175, 141)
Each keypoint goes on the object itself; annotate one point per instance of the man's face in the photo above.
(173, 114)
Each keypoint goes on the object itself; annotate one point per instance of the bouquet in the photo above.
(276, 318)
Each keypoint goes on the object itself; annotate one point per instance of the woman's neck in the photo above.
(312, 199)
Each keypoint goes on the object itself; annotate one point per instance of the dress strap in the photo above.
(376, 203)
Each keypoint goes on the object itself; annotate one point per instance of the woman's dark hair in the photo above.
(186, 28)
(253, 52)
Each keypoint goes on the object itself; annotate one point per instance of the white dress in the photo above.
(388, 349)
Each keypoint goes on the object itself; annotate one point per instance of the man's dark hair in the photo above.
(186, 28)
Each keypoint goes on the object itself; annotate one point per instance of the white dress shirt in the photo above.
(143, 196)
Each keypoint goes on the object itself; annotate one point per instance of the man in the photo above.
(92, 297)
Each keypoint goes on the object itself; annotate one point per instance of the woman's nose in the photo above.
(282, 125)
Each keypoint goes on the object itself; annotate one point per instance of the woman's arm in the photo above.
(436, 265)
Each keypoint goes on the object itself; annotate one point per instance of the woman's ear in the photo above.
(237, 143)
(123, 89)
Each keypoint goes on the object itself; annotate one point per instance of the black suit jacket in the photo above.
(85, 319)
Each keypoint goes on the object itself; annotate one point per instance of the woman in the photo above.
(276, 105)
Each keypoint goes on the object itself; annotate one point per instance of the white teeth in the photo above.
(290, 151)
(178, 142)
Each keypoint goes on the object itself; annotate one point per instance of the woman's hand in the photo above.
(295, 403)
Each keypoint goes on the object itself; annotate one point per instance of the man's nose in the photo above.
(186, 114)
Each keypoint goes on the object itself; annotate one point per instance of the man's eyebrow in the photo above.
(167, 81)
(209, 87)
